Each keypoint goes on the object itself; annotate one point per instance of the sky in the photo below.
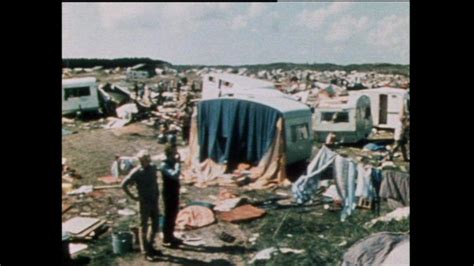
(239, 33)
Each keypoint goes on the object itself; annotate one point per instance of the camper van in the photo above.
(386, 104)
(348, 118)
(220, 84)
(227, 119)
(80, 95)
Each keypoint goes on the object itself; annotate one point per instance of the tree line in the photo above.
(112, 63)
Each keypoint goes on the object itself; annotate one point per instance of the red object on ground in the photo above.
(241, 214)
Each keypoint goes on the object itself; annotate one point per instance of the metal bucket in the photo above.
(122, 242)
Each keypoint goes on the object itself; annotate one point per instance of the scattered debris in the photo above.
(343, 243)
(75, 248)
(226, 194)
(126, 111)
(82, 190)
(109, 179)
(122, 201)
(107, 187)
(283, 194)
(265, 254)
(254, 238)
(290, 250)
(228, 204)
(126, 212)
(67, 187)
(226, 237)
(397, 215)
(66, 132)
(193, 217)
(66, 207)
(65, 120)
(374, 147)
(83, 227)
(332, 193)
(195, 243)
(116, 123)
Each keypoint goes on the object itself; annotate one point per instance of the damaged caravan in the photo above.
(265, 133)
(80, 95)
(349, 118)
(386, 104)
(221, 84)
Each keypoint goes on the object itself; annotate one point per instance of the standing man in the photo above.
(402, 130)
(178, 88)
(170, 171)
(136, 89)
(186, 119)
(144, 177)
(160, 93)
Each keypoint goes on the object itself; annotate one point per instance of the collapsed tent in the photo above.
(381, 248)
(353, 180)
(344, 174)
(267, 133)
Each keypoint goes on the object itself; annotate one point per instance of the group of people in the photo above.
(145, 178)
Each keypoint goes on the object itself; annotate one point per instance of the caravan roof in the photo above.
(341, 102)
(382, 90)
(284, 105)
(76, 81)
(242, 82)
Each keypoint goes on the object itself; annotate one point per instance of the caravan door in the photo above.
(395, 104)
(383, 109)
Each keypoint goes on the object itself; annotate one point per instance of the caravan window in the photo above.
(299, 132)
(76, 92)
(335, 117)
(211, 79)
(367, 113)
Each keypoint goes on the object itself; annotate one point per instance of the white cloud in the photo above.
(338, 49)
(239, 22)
(345, 28)
(242, 20)
(256, 9)
(392, 32)
(113, 14)
(389, 31)
(315, 18)
(177, 16)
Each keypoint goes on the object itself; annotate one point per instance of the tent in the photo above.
(266, 133)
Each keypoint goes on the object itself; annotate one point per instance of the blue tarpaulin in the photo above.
(374, 147)
(235, 130)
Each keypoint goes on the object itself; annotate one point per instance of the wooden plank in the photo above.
(106, 187)
(109, 179)
(77, 225)
(90, 230)
(66, 207)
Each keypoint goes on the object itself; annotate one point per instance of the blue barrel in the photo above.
(122, 242)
